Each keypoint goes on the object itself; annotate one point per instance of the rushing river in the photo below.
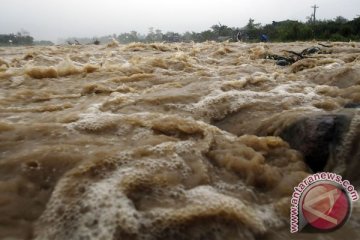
(166, 141)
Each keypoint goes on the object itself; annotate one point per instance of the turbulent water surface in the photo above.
(165, 141)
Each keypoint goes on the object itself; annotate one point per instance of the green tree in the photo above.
(253, 29)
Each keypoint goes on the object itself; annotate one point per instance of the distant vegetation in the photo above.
(338, 29)
(21, 38)
(16, 39)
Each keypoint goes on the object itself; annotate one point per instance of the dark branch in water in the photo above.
(295, 53)
(283, 61)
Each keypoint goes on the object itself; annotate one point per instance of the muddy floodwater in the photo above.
(172, 141)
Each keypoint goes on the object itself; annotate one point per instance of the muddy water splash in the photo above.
(164, 141)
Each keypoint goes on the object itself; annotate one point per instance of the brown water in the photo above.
(161, 141)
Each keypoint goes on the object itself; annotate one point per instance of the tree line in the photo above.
(16, 39)
(338, 29)
(21, 38)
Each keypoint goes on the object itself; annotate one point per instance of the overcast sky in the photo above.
(53, 19)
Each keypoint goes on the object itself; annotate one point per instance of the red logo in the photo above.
(326, 206)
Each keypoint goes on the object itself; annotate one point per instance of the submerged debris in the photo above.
(294, 57)
(281, 60)
(310, 51)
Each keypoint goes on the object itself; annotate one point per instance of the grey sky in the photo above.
(52, 19)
